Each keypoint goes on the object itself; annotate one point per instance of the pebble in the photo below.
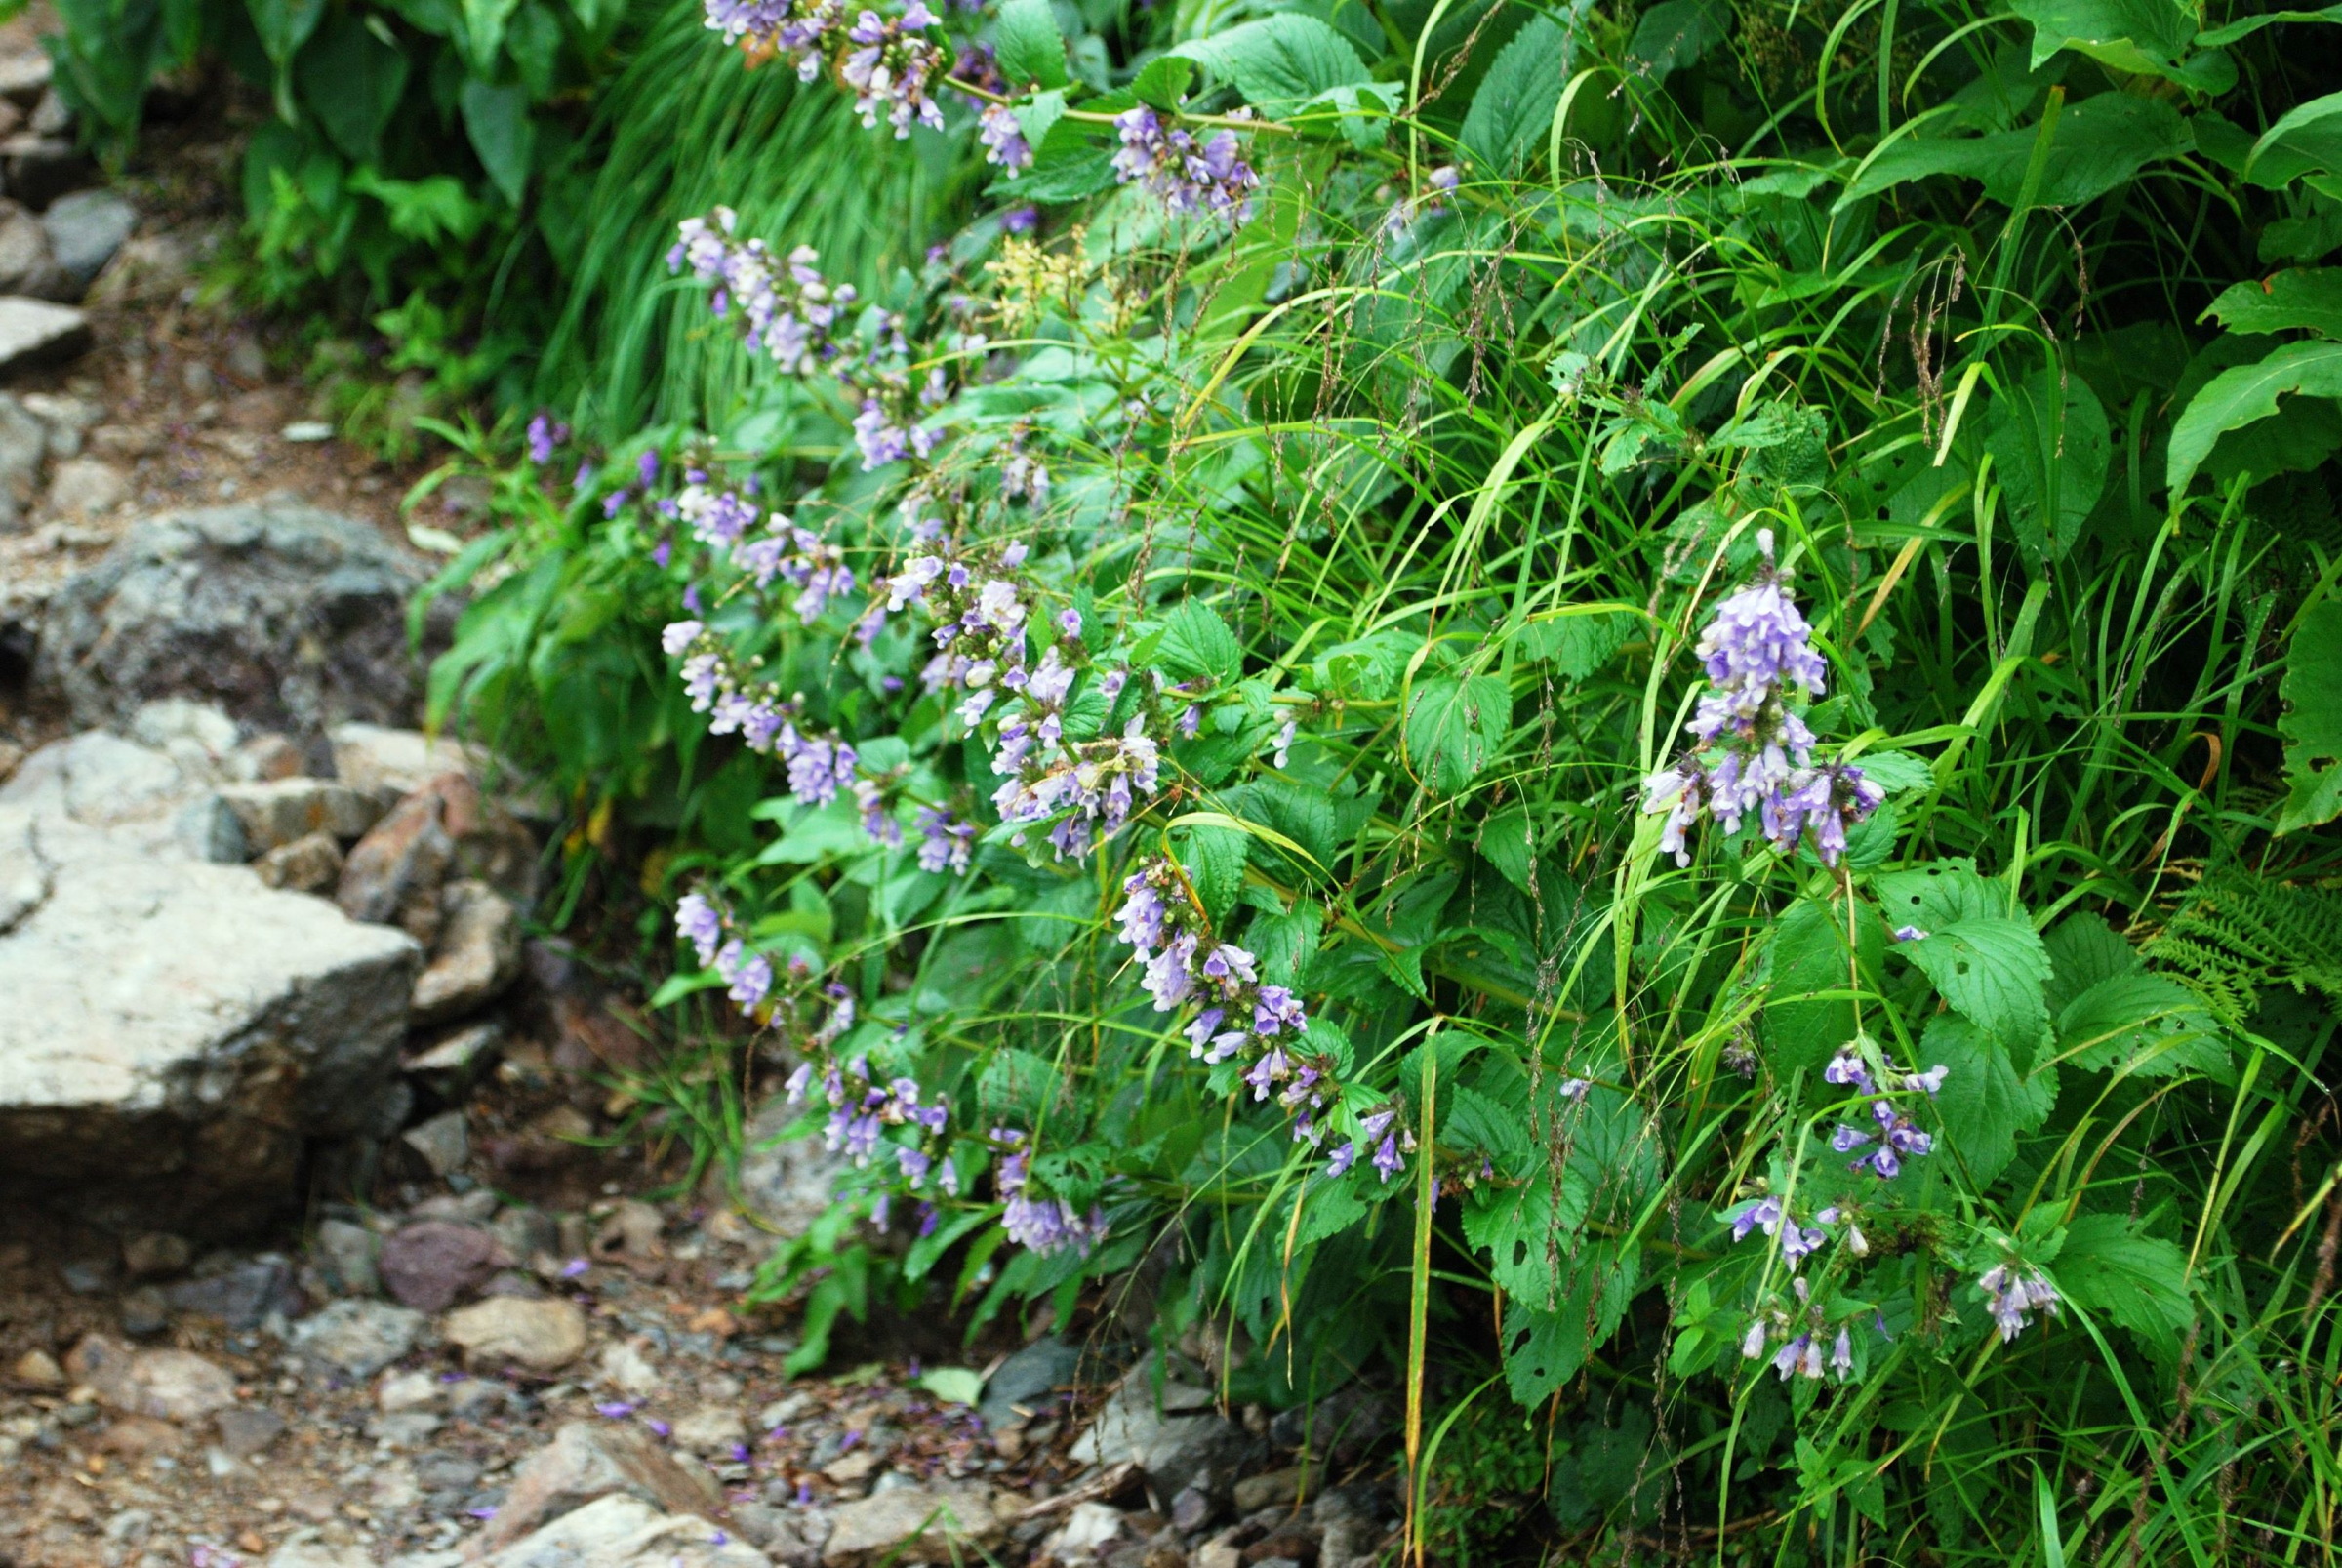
(359, 1338)
(38, 1369)
(310, 864)
(247, 1429)
(34, 332)
(712, 1429)
(542, 1335)
(629, 1370)
(241, 1295)
(155, 1253)
(84, 488)
(443, 1143)
(144, 1312)
(346, 1253)
(429, 1264)
(402, 1392)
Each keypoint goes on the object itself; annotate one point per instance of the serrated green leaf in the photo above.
(1936, 894)
(1280, 61)
(1214, 860)
(2297, 300)
(1984, 1103)
(1163, 81)
(1196, 642)
(2138, 1281)
(2084, 950)
(2312, 723)
(2099, 143)
(1676, 33)
(2244, 394)
(1896, 771)
(1456, 727)
(1992, 971)
(1512, 112)
(1544, 1347)
(1810, 956)
(2140, 1024)
(1028, 45)
(1580, 639)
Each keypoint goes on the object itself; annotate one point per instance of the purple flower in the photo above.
(1764, 1212)
(1021, 219)
(1187, 178)
(544, 434)
(614, 1410)
(1910, 933)
(574, 1268)
(2012, 1293)
(1003, 138)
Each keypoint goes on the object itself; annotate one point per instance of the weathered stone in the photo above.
(68, 419)
(1278, 1489)
(391, 764)
(428, 1265)
(1178, 1439)
(35, 332)
(526, 1234)
(1089, 1528)
(24, 76)
(144, 1312)
(83, 488)
(1015, 1391)
(586, 1463)
(449, 1062)
(167, 1384)
(540, 1336)
(787, 1182)
(241, 1296)
(38, 1369)
(150, 1069)
(346, 1254)
(27, 257)
(930, 1524)
(167, 723)
(85, 230)
(442, 1142)
(359, 1338)
(247, 1429)
(266, 755)
(623, 1533)
(305, 1549)
(23, 446)
(309, 863)
(42, 166)
(709, 1430)
(279, 811)
(286, 617)
(477, 955)
(409, 1391)
(394, 872)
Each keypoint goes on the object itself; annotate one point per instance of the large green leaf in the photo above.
(1991, 972)
(482, 34)
(1984, 1103)
(2138, 1281)
(2099, 143)
(2307, 141)
(2312, 723)
(351, 81)
(1197, 643)
(2144, 37)
(1936, 894)
(1511, 110)
(1455, 727)
(1028, 45)
(2244, 394)
(1280, 61)
(497, 119)
(1676, 33)
(2049, 439)
(284, 26)
(1811, 958)
(2140, 1024)
(2299, 299)
(1544, 1348)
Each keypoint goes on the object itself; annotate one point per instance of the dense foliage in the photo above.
(1642, 698)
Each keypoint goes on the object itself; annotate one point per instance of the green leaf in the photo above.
(1810, 956)
(1068, 162)
(2051, 445)
(1581, 639)
(2300, 299)
(2246, 26)
(2312, 723)
(2085, 950)
(1937, 894)
(1456, 727)
(1544, 1348)
(1676, 33)
(484, 32)
(1991, 972)
(1029, 45)
(1280, 61)
(2140, 1282)
(2246, 393)
(2144, 37)
(1984, 1103)
(2100, 142)
(497, 119)
(284, 26)
(1163, 81)
(1512, 114)
(957, 1385)
(1508, 840)
(1284, 944)
(2143, 1024)
(1214, 860)
(351, 81)
(1196, 642)
(1898, 773)
(2306, 140)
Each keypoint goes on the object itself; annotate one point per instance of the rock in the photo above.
(240, 1296)
(155, 1253)
(310, 864)
(1278, 1489)
(629, 1370)
(1192, 1510)
(624, 1532)
(1013, 1393)
(171, 722)
(392, 764)
(85, 230)
(149, 1068)
(83, 488)
(52, 115)
(442, 1142)
(586, 1464)
(38, 1369)
(35, 332)
(526, 1234)
(279, 811)
(288, 618)
(403, 1391)
(395, 872)
(1339, 1430)
(166, 1384)
(23, 445)
(1088, 1529)
(787, 1182)
(930, 1524)
(144, 1312)
(540, 1336)
(430, 1264)
(266, 755)
(304, 1549)
(41, 167)
(206, 831)
(68, 421)
(346, 1254)
(777, 1534)
(28, 257)
(358, 1338)
(409, 1428)
(453, 1060)
(1219, 1554)
(477, 955)
(25, 76)
(246, 1430)
(709, 1430)
(1178, 1440)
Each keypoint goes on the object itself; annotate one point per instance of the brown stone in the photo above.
(137, 1436)
(307, 864)
(539, 1336)
(477, 955)
(392, 876)
(585, 1462)
(428, 1265)
(172, 1384)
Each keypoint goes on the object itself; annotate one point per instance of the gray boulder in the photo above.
(286, 617)
(85, 230)
(177, 1036)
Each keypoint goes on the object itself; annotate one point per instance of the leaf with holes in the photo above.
(1545, 1346)
(1991, 972)
(1984, 1103)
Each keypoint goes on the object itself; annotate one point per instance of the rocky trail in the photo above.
(326, 1237)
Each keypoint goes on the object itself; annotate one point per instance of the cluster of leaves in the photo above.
(2011, 331)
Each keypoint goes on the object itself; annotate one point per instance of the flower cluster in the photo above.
(1770, 1215)
(1897, 1135)
(1188, 176)
(800, 29)
(544, 434)
(1003, 136)
(1041, 1224)
(1800, 1331)
(1438, 183)
(2012, 1292)
(708, 927)
(861, 1108)
(1753, 753)
(891, 65)
(788, 310)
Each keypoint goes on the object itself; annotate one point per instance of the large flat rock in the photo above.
(175, 1034)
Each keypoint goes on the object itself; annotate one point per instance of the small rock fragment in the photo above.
(346, 1252)
(629, 1370)
(586, 1462)
(310, 864)
(409, 1391)
(85, 230)
(477, 956)
(1281, 1489)
(239, 1296)
(247, 1429)
(710, 1429)
(38, 1369)
(144, 1312)
(84, 488)
(154, 1254)
(928, 1524)
(542, 1335)
(359, 1338)
(429, 1264)
(444, 1144)
(168, 1384)
(278, 811)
